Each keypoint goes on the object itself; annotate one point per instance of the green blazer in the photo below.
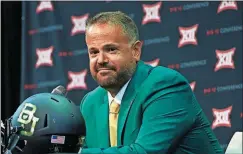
(159, 114)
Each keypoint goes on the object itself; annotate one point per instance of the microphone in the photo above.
(59, 90)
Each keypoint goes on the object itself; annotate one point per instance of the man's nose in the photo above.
(102, 58)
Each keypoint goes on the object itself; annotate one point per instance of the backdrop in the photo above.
(202, 40)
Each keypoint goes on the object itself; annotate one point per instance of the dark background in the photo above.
(10, 57)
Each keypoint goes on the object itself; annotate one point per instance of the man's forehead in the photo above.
(101, 26)
(105, 36)
(104, 45)
(104, 28)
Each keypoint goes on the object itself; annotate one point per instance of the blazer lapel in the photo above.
(139, 76)
(124, 110)
(102, 123)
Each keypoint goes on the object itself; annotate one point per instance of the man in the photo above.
(137, 108)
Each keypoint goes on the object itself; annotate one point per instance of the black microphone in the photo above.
(59, 90)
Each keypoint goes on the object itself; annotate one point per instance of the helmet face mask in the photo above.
(51, 123)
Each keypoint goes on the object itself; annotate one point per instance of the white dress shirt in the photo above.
(118, 97)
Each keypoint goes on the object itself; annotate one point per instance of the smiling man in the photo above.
(137, 108)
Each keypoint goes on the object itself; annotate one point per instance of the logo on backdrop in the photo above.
(151, 13)
(44, 6)
(227, 5)
(223, 88)
(77, 80)
(46, 29)
(224, 30)
(157, 40)
(225, 59)
(188, 35)
(153, 62)
(189, 6)
(79, 24)
(188, 64)
(222, 117)
(44, 57)
(192, 85)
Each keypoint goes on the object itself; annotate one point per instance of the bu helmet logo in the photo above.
(26, 117)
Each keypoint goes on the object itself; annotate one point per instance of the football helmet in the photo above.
(47, 123)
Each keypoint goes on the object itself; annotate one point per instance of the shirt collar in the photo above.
(118, 97)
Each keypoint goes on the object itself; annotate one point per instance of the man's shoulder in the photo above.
(160, 80)
(96, 93)
(93, 96)
(164, 74)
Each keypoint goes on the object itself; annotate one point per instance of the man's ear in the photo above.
(136, 50)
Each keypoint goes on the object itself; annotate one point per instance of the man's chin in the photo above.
(108, 83)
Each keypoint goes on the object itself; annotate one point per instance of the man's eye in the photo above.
(111, 49)
(93, 52)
